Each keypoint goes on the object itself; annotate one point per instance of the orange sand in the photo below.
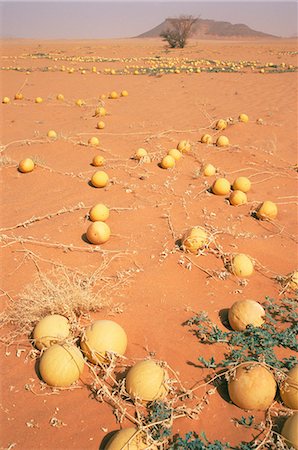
(158, 112)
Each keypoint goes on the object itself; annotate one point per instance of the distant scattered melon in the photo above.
(184, 146)
(267, 210)
(243, 118)
(221, 124)
(242, 265)
(221, 186)
(206, 139)
(98, 233)
(98, 161)
(237, 198)
(222, 141)
(99, 179)
(194, 239)
(26, 165)
(242, 184)
(168, 162)
(175, 153)
(99, 212)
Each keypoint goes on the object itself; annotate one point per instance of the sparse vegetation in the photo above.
(179, 31)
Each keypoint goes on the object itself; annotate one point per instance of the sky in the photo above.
(97, 19)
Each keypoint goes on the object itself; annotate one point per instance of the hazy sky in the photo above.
(98, 19)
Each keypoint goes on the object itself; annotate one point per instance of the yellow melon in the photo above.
(289, 389)
(101, 337)
(98, 233)
(99, 212)
(99, 179)
(253, 387)
(61, 365)
(267, 210)
(50, 330)
(222, 141)
(221, 186)
(242, 184)
(246, 312)
(242, 265)
(237, 198)
(146, 381)
(289, 431)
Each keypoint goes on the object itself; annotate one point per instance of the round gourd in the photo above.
(168, 162)
(52, 134)
(140, 153)
(94, 141)
(175, 153)
(246, 312)
(18, 96)
(267, 210)
(146, 381)
(206, 139)
(38, 100)
(124, 93)
(103, 336)
(100, 179)
(26, 165)
(242, 265)
(6, 100)
(50, 330)
(100, 125)
(289, 431)
(194, 239)
(61, 365)
(243, 118)
(128, 439)
(60, 97)
(184, 146)
(221, 124)
(98, 233)
(237, 198)
(209, 170)
(100, 111)
(242, 184)
(221, 186)
(98, 161)
(99, 212)
(222, 141)
(113, 95)
(253, 387)
(289, 389)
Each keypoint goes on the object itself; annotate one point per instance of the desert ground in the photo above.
(146, 282)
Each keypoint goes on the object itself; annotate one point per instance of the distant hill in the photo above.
(210, 29)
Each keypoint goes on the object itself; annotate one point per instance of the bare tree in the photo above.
(179, 31)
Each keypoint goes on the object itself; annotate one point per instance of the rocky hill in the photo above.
(210, 29)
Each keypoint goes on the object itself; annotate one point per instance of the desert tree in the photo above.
(179, 31)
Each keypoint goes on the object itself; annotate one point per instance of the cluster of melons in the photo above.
(253, 386)
(62, 362)
(98, 231)
(174, 154)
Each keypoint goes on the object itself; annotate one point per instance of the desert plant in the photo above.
(179, 31)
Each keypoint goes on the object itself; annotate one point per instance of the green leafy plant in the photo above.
(253, 343)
